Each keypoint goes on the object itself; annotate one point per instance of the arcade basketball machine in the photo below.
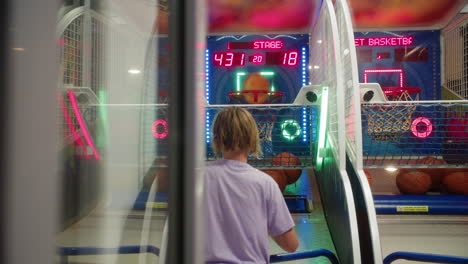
(300, 121)
(415, 142)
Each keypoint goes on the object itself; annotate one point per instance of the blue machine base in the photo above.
(295, 203)
(421, 204)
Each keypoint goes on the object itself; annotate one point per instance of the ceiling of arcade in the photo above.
(243, 16)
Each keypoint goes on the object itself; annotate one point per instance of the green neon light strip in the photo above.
(323, 125)
(272, 88)
(102, 136)
(238, 75)
(267, 73)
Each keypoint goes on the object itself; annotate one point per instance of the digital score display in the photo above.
(271, 56)
(229, 59)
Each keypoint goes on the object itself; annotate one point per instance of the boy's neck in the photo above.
(236, 155)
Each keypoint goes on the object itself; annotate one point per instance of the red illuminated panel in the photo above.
(399, 71)
(228, 59)
(287, 58)
(392, 41)
(411, 54)
(364, 55)
(258, 44)
(240, 45)
(268, 44)
(257, 59)
(382, 55)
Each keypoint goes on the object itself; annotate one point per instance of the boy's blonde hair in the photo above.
(234, 129)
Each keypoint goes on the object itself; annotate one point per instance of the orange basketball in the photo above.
(292, 175)
(436, 173)
(256, 82)
(279, 177)
(288, 159)
(413, 182)
(456, 182)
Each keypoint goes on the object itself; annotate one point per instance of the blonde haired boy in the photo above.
(244, 205)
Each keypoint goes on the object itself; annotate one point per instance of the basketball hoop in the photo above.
(263, 115)
(254, 97)
(265, 118)
(390, 121)
(401, 93)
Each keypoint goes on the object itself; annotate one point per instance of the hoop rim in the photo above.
(397, 91)
(273, 95)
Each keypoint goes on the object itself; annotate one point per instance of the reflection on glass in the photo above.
(112, 100)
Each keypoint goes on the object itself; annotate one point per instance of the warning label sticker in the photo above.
(413, 208)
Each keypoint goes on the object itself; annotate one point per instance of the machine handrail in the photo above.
(78, 251)
(303, 255)
(424, 257)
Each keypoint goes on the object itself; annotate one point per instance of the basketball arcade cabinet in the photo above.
(284, 128)
(403, 134)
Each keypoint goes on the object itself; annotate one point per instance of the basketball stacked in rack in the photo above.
(421, 180)
(413, 182)
(456, 181)
(435, 173)
(257, 88)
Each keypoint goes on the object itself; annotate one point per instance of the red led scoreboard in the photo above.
(265, 55)
(281, 58)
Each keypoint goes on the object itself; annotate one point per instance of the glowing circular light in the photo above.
(421, 127)
(159, 129)
(290, 129)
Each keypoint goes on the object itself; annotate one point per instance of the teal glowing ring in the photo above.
(286, 133)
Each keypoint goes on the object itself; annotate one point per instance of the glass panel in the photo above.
(112, 100)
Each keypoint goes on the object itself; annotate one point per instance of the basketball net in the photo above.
(389, 122)
(265, 122)
(264, 116)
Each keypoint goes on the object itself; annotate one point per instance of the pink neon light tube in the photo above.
(73, 132)
(82, 124)
(400, 71)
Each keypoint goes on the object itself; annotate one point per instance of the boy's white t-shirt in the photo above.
(243, 206)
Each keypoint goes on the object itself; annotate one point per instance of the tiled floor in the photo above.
(436, 234)
(447, 235)
(111, 228)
